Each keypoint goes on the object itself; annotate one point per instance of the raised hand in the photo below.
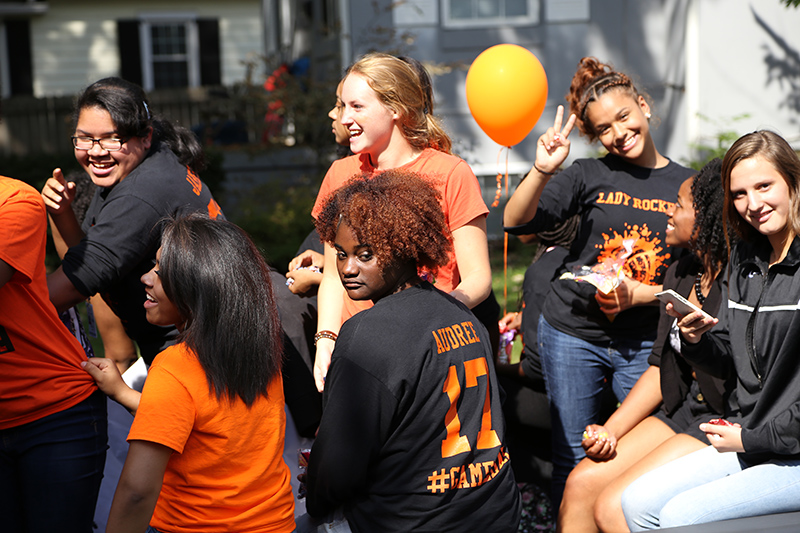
(58, 193)
(552, 148)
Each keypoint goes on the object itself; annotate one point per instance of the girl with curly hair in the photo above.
(388, 111)
(752, 467)
(206, 444)
(412, 436)
(590, 340)
(659, 420)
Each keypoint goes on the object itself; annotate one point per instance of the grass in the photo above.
(509, 284)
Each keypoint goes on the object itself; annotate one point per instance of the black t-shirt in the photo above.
(122, 237)
(412, 436)
(617, 201)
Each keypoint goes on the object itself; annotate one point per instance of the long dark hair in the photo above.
(218, 280)
(127, 104)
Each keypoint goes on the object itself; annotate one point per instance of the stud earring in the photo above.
(647, 115)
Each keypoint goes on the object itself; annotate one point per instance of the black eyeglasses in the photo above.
(109, 144)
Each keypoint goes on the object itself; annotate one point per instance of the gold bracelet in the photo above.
(325, 334)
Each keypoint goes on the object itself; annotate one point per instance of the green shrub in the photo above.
(278, 218)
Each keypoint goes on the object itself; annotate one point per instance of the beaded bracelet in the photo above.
(325, 334)
(540, 171)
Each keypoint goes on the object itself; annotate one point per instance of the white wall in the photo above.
(706, 56)
(75, 43)
(748, 62)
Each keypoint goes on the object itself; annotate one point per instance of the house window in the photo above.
(483, 13)
(170, 54)
(16, 66)
(170, 60)
(169, 51)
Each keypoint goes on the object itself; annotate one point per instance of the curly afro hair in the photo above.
(708, 199)
(396, 213)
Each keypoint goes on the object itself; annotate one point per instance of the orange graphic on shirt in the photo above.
(194, 180)
(645, 262)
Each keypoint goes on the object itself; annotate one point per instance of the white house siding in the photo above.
(737, 41)
(75, 43)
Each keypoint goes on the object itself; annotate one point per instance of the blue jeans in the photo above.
(708, 486)
(50, 469)
(576, 373)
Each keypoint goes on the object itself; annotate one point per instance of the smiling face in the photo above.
(620, 122)
(369, 122)
(340, 133)
(159, 309)
(762, 198)
(107, 168)
(360, 272)
(680, 220)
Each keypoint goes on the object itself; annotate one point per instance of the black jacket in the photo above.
(758, 339)
(676, 373)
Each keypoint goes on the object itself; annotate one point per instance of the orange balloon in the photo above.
(506, 92)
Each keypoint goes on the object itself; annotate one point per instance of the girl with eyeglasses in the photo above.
(145, 169)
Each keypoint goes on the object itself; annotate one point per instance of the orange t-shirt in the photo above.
(227, 471)
(461, 201)
(40, 360)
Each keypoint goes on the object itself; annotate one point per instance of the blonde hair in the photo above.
(776, 151)
(400, 88)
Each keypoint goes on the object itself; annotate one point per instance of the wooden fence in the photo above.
(31, 126)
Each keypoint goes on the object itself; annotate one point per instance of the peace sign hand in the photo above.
(552, 148)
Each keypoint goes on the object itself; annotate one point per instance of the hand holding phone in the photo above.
(679, 303)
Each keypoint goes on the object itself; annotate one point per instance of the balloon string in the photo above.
(498, 193)
(499, 179)
(505, 249)
(505, 273)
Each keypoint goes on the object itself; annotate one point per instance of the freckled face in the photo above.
(359, 270)
(107, 168)
(762, 197)
(369, 122)
(621, 125)
(680, 220)
(159, 309)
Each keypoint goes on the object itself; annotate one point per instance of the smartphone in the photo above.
(679, 303)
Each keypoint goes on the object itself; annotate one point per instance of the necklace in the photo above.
(697, 289)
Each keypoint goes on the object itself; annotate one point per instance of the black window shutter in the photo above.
(130, 52)
(20, 63)
(210, 64)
